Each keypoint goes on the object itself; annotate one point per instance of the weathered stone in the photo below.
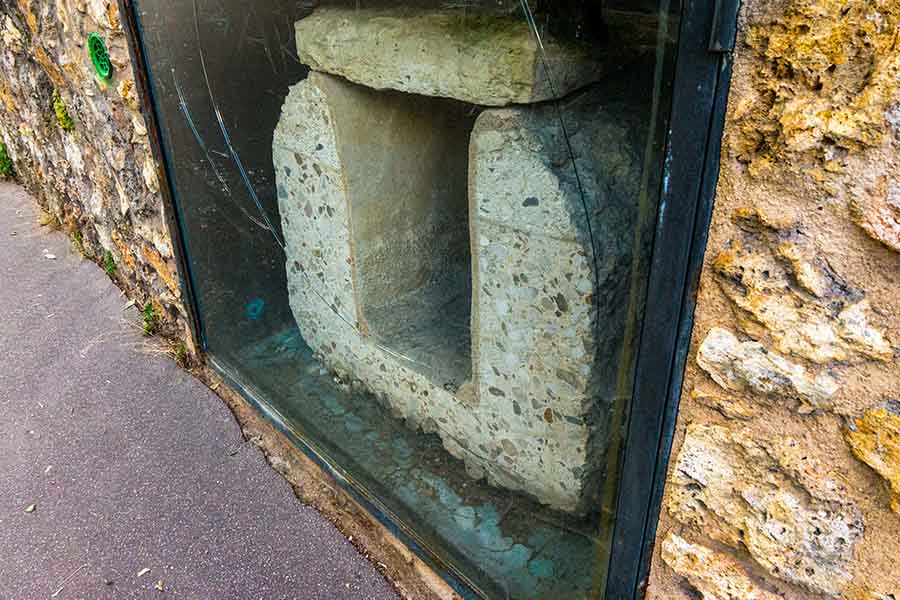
(338, 162)
(124, 251)
(748, 366)
(749, 495)
(883, 595)
(535, 281)
(875, 440)
(10, 35)
(813, 127)
(878, 213)
(480, 57)
(892, 116)
(717, 576)
(731, 406)
(786, 291)
(127, 92)
(824, 74)
(372, 194)
(163, 267)
(381, 279)
(149, 173)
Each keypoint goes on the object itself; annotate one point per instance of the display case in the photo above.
(446, 246)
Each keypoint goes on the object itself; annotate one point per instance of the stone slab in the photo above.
(479, 56)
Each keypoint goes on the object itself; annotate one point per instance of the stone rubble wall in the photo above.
(98, 179)
(785, 474)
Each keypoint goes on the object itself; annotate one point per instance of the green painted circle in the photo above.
(99, 56)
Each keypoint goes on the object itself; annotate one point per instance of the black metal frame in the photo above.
(700, 89)
(702, 77)
(147, 98)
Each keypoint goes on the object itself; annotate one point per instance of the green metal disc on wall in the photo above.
(99, 56)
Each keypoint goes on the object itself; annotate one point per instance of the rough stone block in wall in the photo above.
(802, 266)
(717, 576)
(875, 440)
(478, 56)
(752, 493)
(373, 201)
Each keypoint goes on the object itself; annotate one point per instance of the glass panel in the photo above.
(419, 231)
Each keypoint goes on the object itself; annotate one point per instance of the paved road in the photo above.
(127, 459)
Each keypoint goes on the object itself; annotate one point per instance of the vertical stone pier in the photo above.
(547, 316)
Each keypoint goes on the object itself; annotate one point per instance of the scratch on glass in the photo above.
(263, 41)
(186, 111)
(243, 36)
(286, 50)
(227, 138)
(532, 24)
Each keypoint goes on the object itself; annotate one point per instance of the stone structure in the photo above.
(721, 576)
(785, 466)
(445, 260)
(98, 177)
(476, 56)
(747, 494)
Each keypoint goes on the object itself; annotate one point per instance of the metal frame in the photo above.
(701, 82)
(700, 88)
(147, 97)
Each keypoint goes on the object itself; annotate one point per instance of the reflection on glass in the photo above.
(419, 231)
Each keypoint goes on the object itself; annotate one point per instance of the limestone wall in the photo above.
(785, 473)
(96, 176)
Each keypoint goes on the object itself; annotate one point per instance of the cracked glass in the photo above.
(419, 233)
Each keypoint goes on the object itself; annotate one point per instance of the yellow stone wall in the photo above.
(784, 481)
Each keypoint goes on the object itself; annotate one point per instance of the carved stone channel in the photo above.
(439, 251)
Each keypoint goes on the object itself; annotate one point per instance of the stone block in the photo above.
(373, 201)
(785, 289)
(878, 213)
(389, 262)
(760, 496)
(875, 440)
(371, 189)
(732, 407)
(716, 575)
(483, 57)
(749, 366)
(547, 354)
